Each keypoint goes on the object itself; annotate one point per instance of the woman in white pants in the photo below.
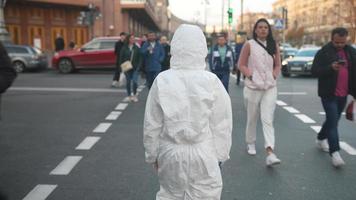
(260, 63)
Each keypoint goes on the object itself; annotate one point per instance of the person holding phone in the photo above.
(335, 66)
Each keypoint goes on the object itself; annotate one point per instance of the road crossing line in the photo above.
(316, 128)
(323, 113)
(59, 89)
(280, 103)
(40, 192)
(305, 119)
(292, 93)
(113, 115)
(121, 106)
(102, 127)
(87, 143)
(291, 109)
(66, 166)
(346, 147)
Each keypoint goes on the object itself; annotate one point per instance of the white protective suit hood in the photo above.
(188, 48)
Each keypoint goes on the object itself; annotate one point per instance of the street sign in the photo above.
(279, 24)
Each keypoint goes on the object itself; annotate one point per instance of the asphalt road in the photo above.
(70, 137)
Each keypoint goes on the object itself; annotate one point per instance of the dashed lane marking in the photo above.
(57, 89)
(102, 127)
(40, 192)
(291, 109)
(280, 103)
(346, 147)
(292, 93)
(87, 143)
(66, 166)
(323, 113)
(305, 119)
(121, 106)
(113, 115)
(316, 128)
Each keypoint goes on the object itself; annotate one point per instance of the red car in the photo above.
(98, 53)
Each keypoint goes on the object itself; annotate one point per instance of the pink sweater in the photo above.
(255, 61)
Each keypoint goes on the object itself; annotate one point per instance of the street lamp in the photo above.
(88, 17)
(4, 35)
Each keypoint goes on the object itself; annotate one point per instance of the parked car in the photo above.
(301, 63)
(25, 57)
(98, 53)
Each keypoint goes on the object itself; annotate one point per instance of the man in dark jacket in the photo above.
(221, 61)
(167, 53)
(59, 43)
(335, 67)
(118, 46)
(7, 72)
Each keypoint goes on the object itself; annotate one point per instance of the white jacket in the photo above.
(188, 122)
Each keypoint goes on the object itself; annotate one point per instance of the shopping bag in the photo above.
(351, 112)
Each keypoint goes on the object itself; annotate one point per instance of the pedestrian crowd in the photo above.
(188, 116)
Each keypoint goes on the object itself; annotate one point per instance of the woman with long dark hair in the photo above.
(260, 63)
(131, 52)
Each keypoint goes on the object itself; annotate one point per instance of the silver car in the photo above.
(25, 57)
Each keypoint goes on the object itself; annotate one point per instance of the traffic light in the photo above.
(229, 12)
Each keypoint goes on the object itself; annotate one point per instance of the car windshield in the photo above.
(306, 53)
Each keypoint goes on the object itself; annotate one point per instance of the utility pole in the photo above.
(4, 35)
(222, 14)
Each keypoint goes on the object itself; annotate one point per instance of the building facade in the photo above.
(38, 22)
(310, 22)
(249, 20)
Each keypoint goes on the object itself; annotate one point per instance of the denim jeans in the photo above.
(224, 77)
(333, 107)
(131, 82)
(150, 76)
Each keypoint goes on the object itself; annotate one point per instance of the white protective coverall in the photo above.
(188, 122)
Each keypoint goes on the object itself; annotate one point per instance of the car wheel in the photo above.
(19, 66)
(65, 66)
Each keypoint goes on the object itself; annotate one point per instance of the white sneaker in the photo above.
(134, 98)
(251, 149)
(336, 159)
(323, 145)
(127, 99)
(272, 160)
(114, 84)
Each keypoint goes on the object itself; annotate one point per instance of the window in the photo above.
(92, 45)
(107, 44)
(80, 36)
(58, 14)
(36, 32)
(20, 50)
(36, 13)
(15, 33)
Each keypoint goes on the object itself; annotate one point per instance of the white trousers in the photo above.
(263, 103)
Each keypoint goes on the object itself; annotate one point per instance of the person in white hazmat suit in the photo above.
(188, 123)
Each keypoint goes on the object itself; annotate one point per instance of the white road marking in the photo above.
(87, 143)
(113, 115)
(121, 106)
(316, 128)
(58, 89)
(323, 113)
(141, 86)
(102, 127)
(349, 149)
(139, 90)
(40, 192)
(305, 118)
(66, 166)
(292, 93)
(291, 109)
(280, 103)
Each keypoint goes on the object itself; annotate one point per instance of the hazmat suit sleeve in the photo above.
(221, 122)
(153, 124)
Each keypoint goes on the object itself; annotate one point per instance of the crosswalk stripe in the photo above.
(40, 192)
(346, 147)
(121, 106)
(102, 127)
(113, 115)
(291, 109)
(280, 103)
(305, 118)
(66, 166)
(87, 143)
